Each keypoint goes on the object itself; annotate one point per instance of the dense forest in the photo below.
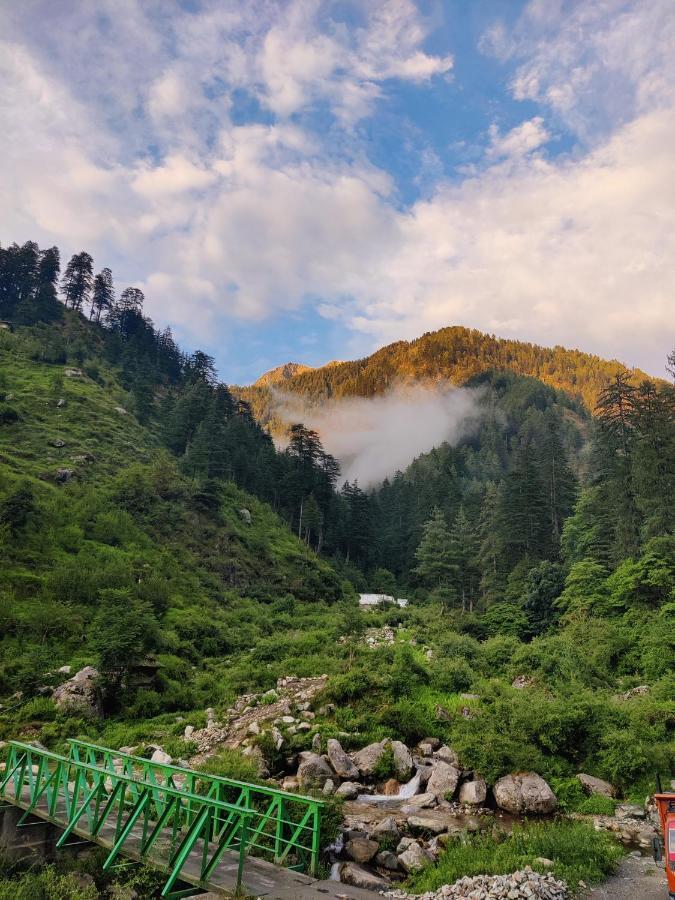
(148, 523)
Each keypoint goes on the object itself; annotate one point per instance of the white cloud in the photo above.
(366, 436)
(596, 64)
(520, 141)
(216, 219)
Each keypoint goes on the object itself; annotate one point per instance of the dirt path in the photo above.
(635, 879)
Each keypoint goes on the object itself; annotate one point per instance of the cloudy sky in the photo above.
(308, 180)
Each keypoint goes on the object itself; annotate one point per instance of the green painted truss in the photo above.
(186, 823)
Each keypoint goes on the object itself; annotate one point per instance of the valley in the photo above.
(179, 584)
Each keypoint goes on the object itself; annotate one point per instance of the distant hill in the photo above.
(282, 373)
(454, 354)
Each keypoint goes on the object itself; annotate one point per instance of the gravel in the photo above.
(522, 885)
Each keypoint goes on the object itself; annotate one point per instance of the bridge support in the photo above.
(37, 840)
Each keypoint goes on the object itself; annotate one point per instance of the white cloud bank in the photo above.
(221, 219)
(375, 437)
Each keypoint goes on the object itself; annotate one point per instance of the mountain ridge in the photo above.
(453, 354)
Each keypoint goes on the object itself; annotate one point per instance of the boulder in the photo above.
(328, 787)
(316, 743)
(339, 760)
(403, 763)
(414, 858)
(630, 811)
(245, 515)
(522, 681)
(361, 849)
(313, 771)
(524, 792)
(80, 693)
(351, 873)
(427, 823)
(391, 787)
(290, 784)
(448, 755)
(65, 670)
(473, 793)
(593, 785)
(387, 860)
(73, 373)
(422, 801)
(367, 759)
(57, 442)
(189, 731)
(386, 830)
(63, 475)
(444, 780)
(349, 790)
(159, 756)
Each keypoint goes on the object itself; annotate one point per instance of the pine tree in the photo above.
(491, 541)
(77, 280)
(103, 295)
(436, 567)
(463, 554)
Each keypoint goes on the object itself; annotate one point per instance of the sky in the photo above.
(307, 180)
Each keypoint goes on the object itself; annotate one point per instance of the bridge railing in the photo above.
(182, 833)
(284, 827)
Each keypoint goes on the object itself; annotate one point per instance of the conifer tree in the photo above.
(103, 295)
(436, 567)
(77, 280)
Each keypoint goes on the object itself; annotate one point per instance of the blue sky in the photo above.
(307, 180)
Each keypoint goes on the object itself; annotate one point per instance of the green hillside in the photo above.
(95, 516)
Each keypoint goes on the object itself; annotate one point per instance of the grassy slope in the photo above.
(128, 519)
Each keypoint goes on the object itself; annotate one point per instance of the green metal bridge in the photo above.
(199, 829)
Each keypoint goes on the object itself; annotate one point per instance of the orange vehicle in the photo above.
(666, 806)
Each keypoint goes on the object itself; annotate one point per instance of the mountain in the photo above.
(452, 355)
(282, 374)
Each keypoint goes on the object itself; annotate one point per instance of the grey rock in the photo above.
(414, 858)
(63, 475)
(313, 771)
(443, 781)
(367, 758)
(245, 515)
(340, 762)
(316, 743)
(349, 790)
(328, 787)
(387, 860)
(524, 792)
(386, 830)
(593, 785)
(428, 823)
(473, 793)
(630, 811)
(351, 873)
(81, 693)
(57, 442)
(159, 756)
(361, 850)
(448, 755)
(422, 801)
(402, 760)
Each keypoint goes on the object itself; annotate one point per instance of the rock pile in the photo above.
(522, 885)
(285, 707)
